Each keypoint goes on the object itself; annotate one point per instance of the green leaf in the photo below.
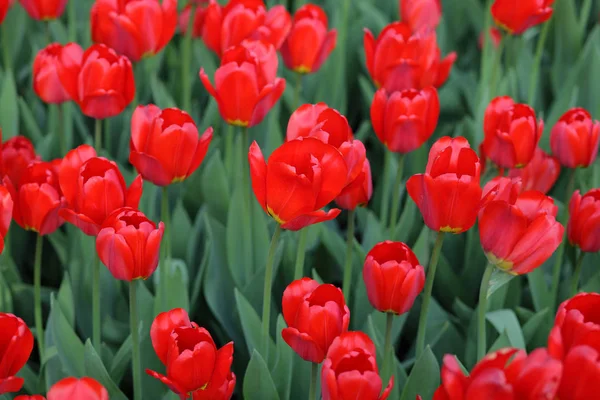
(240, 257)
(160, 93)
(70, 349)
(31, 126)
(498, 279)
(9, 111)
(539, 290)
(65, 298)
(215, 189)
(424, 377)
(506, 321)
(501, 342)
(282, 370)
(95, 369)
(258, 383)
(182, 226)
(176, 287)
(121, 361)
(251, 325)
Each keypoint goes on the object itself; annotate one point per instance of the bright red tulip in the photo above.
(511, 133)
(134, 28)
(309, 43)
(44, 10)
(584, 221)
(448, 193)
(94, 188)
(102, 84)
(77, 388)
(16, 345)
(393, 277)
(6, 213)
(518, 16)
(495, 37)
(400, 59)
(581, 374)
(315, 315)
(302, 176)
(574, 139)
(17, 154)
(404, 120)
(32, 397)
(421, 14)
(128, 244)
(358, 192)
(4, 6)
(540, 174)
(46, 82)
(263, 55)
(165, 145)
(194, 364)
(501, 189)
(351, 369)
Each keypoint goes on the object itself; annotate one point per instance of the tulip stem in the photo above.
(47, 32)
(72, 16)
(347, 283)
(186, 86)
(61, 129)
(247, 192)
(388, 349)
(266, 311)
(37, 294)
(297, 90)
(577, 273)
(396, 196)
(483, 290)
(300, 254)
(96, 320)
(435, 256)
(165, 256)
(229, 158)
(535, 70)
(135, 341)
(98, 136)
(385, 204)
(314, 374)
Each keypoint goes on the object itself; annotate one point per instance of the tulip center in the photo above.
(238, 122)
(134, 220)
(95, 167)
(356, 360)
(188, 338)
(302, 69)
(504, 265)
(450, 229)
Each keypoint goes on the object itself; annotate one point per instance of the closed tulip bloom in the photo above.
(315, 315)
(102, 84)
(68, 171)
(448, 193)
(32, 397)
(404, 120)
(583, 229)
(77, 388)
(581, 373)
(358, 192)
(134, 28)
(421, 14)
(400, 59)
(302, 176)
(511, 133)
(46, 82)
(165, 146)
(6, 213)
(351, 369)
(17, 344)
(540, 174)
(574, 139)
(17, 154)
(309, 43)
(518, 16)
(44, 10)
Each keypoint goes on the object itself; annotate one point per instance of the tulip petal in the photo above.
(201, 150)
(11, 384)
(311, 218)
(162, 327)
(326, 48)
(81, 221)
(258, 174)
(134, 193)
(303, 345)
(150, 168)
(114, 252)
(267, 98)
(170, 384)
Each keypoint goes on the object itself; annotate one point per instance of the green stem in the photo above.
(96, 319)
(485, 57)
(266, 311)
(300, 254)
(396, 196)
(496, 66)
(98, 136)
(37, 294)
(61, 129)
(385, 204)
(483, 289)
(577, 273)
(314, 375)
(297, 90)
(164, 215)
(247, 192)
(347, 283)
(6, 48)
(535, 70)
(47, 32)
(72, 16)
(388, 349)
(186, 59)
(135, 342)
(435, 256)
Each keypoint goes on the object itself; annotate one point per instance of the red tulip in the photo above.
(264, 57)
(400, 59)
(44, 10)
(501, 189)
(517, 17)
(243, 90)
(518, 237)
(351, 369)
(17, 344)
(404, 120)
(495, 37)
(128, 244)
(94, 188)
(194, 364)
(134, 28)
(73, 388)
(574, 139)
(309, 43)
(358, 192)
(581, 373)
(165, 146)
(421, 14)
(584, 221)
(511, 133)
(448, 193)
(32, 397)
(46, 82)
(540, 174)
(17, 154)
(4, 6)
(6, 213)
(102, 84)
(37, 199)
(393, 277)
(315, 315)
(302, 176)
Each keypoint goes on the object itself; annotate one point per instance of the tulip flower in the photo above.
(44, 10)
(134, 28)
(77, 388)
(583, 229)
(165, 146)
(421, 14)
(358, 192)
(574, 139)
(511, 133)
(540, 174)
(351, 369)
(6, 213)
(17, 154)
(17, 344)
(309, 43)
(46, 82)
(404, 120)
(581, 372)
(501, 189)
(517, 17)
(315, 315)
(399, 59)
(102, 84)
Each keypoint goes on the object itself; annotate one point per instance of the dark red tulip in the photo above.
(540, 174)
(404, 120)
(574, 139)
(584, 221)
(46, 82)
(351, 369)
(581, 373)
(194, 364)
(17, 154)
(77, 388)
(315, 315)
(44, 10)
(16, 345)
(393, 277)
(399, 59)
(309, 43)
(358, 192)
(6, 213)
(165, 146)
(32, 397)
(517, 17)
(495, 37)
(511, 133)
(302, 176)
(448, 193)
(421, 14)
